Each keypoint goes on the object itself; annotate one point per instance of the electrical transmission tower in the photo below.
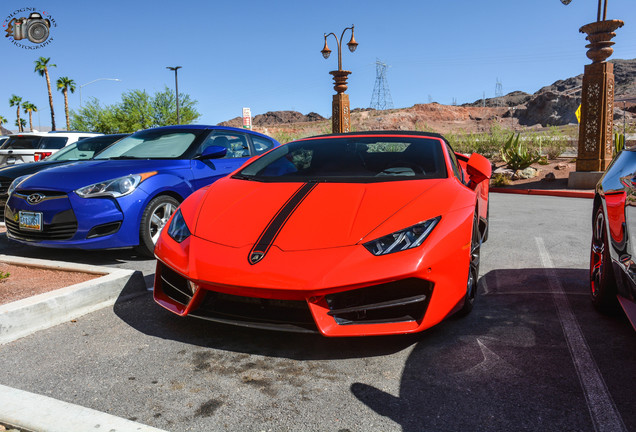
(498, 93)
(381, 98)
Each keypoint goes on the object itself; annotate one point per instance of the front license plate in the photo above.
(31, 221)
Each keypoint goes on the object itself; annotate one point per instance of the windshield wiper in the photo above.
(122, 157)
(244, 177)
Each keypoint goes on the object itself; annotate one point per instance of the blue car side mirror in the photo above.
(213, 152)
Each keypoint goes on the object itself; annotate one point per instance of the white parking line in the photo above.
(605, 416)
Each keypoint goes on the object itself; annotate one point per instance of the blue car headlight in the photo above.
(178, 230)
(15, 183)
(405, 239)
(114, 188)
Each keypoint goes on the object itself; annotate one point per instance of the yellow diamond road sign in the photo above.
(578, 114)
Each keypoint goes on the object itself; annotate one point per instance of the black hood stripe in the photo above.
(268, 236)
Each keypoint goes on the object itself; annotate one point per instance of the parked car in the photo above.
(613, 251)
(81, 150)
(347, 235)
(124, 196)
(33, 146)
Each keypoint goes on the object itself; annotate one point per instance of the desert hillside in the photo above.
(553, 105)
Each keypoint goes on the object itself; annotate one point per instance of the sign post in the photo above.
(247, 118)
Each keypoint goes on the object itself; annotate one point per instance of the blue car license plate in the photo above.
(30, 221)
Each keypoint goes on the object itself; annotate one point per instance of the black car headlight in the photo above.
(405, 239)
(178, 230)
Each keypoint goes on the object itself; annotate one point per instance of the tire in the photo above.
(473, 269)
(485, 236)
(155, 216)
(602, 282)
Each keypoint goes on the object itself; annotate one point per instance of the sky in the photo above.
(266, 55)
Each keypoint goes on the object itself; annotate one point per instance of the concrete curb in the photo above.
(38, 413)
(547, 192)
(24, 317)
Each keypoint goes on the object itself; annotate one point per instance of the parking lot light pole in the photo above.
(340, 112)
(176, 88)
(91, 82)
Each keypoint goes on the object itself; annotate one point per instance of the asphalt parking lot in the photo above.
(533, 355)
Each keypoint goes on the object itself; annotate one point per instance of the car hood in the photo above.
(299, 216)
(15, 171)
(67, 178)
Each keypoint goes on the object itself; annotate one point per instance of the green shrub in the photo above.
(499, 179)
(619, 143)
(516, 155)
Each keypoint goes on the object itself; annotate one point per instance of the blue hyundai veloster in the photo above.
(124, 196)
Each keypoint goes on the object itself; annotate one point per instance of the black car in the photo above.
(81, 150)
(613, 252)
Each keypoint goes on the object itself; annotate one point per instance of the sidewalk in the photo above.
(24, 317)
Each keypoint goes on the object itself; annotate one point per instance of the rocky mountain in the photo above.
(275, 118)
(553, 105)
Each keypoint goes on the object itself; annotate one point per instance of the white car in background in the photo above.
(33, 146)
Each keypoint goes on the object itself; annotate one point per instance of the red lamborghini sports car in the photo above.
(366, 233)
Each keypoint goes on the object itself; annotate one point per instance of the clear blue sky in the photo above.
(266, 55)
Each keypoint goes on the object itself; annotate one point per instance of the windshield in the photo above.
(84, 149)
(351, 159)
(151, 144)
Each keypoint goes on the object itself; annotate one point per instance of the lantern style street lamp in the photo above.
(597, 102)
(340, 113)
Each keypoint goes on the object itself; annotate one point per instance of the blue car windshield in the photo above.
(352, 159)
(151, 144)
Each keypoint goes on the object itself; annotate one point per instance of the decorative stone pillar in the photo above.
(597, 106)
(340, 115)
(597, 112)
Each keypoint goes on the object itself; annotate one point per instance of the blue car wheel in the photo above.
(155, 216)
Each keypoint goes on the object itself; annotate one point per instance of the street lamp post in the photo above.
(340, 113)
(91, 82)
(176, 87)
(597, 102)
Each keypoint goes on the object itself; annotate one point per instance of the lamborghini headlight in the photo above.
(405, 239)
(114, 188)
(178, 230)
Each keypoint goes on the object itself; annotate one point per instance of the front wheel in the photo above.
(602, 283)
(473, 269)
(155, 216)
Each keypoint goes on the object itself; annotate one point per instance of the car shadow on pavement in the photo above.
(506, 366)
(92, 257)
(146, 316)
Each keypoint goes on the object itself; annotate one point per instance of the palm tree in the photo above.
(2, 121)
(65, 84)
(20, 123)
(16, 101)
(42, 67)
(29, 108)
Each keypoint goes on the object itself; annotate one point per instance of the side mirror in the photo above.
(478, 168)
(213, 152)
